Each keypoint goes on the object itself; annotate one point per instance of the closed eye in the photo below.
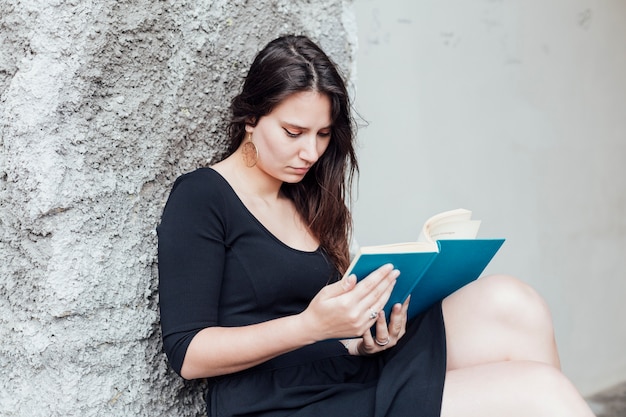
(291, 134)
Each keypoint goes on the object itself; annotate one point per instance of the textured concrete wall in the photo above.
(103, 104)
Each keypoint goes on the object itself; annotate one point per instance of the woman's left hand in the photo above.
(387, 336)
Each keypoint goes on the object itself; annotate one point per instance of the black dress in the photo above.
(219, 266)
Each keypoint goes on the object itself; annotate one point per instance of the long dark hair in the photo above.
(285, 66)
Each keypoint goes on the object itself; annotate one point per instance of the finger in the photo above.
(375, 297)
(382, 332)
(348, 282)
(368, 340)
(405, 310)
(405, 305)
(345, 284)
(399, 318)
(374, 280)
(372, 309)
(397, 321)
(381, 325)
(378, 298)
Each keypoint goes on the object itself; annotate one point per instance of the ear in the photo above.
(250, 124)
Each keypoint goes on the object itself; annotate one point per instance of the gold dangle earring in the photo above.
(249, 151)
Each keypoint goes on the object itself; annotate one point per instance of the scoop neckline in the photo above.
(256, 220)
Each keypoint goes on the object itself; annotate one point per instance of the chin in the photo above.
(292, 179)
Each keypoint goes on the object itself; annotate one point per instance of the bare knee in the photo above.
(515, 302)
(498, 318)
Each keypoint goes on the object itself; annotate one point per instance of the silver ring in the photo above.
(373, 314)
(379, 343)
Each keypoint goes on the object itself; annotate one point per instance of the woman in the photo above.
(251, 254)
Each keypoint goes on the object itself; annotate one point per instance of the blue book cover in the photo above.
(446, 257)
(458, 263)
(411, 267)
(430, 276)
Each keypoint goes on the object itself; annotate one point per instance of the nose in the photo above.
(308, 149)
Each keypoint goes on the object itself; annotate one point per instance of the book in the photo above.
(446, 256)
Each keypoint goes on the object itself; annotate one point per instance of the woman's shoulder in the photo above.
(201, 185)
(205, 178)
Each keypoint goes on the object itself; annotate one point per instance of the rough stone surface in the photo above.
(102, 105)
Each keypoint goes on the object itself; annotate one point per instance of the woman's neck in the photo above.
(249, 181)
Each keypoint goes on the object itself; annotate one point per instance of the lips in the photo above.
(301, 171)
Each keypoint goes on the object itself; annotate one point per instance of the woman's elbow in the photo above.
(187, 373)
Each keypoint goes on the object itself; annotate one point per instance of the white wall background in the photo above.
(516, 110)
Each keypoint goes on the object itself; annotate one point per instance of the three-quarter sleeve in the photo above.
(191, 252)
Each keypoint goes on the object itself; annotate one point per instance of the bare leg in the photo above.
(498, 318)
(511, 389)
(502, 356)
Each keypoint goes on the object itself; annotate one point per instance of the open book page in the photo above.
(453, 224)
(447, 257)
(406, 247)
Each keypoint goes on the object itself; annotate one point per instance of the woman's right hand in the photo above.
(347, 308)
(339, 310)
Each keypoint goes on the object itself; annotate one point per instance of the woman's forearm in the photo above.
(223, 350)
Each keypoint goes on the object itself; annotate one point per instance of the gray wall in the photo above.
(102, 105)
(516, 110)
